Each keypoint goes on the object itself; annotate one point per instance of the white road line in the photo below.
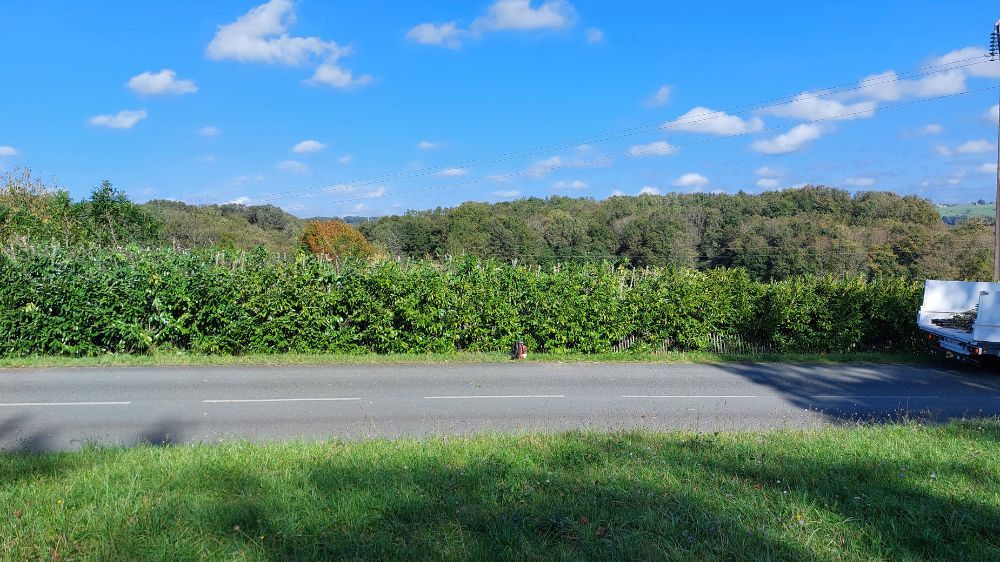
(689, 396)
(495, 396)
(279, 400)
(66, 404)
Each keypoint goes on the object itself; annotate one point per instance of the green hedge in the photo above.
(61, 302)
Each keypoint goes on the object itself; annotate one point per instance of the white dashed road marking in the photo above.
(495, 396)
(230, 401)
(66, 404)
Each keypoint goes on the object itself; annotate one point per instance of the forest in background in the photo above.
(813, 230)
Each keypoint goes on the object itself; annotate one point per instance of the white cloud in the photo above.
(993, 113)
(649, 190)
(340, 188)
(543, 167)
(928, 129)
(238, 201)
(124, 119)
(206, 159)
(594, 35)
(810, 106)
(163, 82)
(308, 146)
(793, 140)
(690, 180)
(248, 178)
(767, 172)
(974, 147)
(519, 15)
(428, 145)
(345, 159)
(656, 148)
(8, 151)
(860, 182)
(293, 167)
(209, 131)
(960, 56)
(767, 183)
(887, 86)
(445, 34)
(943, 150)
(502, 15)
(987, 168)
(380, 192)
(261, 35)
(452, 172)
(332, 74)
(574, 185)
(507, 194)
(617, 193)
(705, 120)
(661, 97)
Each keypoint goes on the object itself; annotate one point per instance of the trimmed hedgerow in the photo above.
(58, 301)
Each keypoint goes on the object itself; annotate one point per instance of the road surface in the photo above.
(55, 409)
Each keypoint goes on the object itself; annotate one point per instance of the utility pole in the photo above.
(995, 55)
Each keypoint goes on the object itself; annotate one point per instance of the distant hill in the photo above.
(353, 220)
(952, 214)
(237, 226)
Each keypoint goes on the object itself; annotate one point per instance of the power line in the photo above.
(622, 133)
(633, 154)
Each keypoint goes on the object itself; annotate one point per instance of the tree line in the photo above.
(813, 230)
(773, 235)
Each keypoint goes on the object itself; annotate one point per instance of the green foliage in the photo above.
(233, 226)
(31, 211)
(114, 221)
(773, 235)
(58, 301)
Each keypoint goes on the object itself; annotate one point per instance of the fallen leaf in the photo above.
(601, 531)
(584, 521)
(18, 514)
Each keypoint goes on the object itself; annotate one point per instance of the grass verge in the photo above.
(181, 359)
(896, 492)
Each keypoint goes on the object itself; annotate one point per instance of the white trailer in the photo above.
(943, 300)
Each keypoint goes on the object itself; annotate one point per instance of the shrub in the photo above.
(70, 302)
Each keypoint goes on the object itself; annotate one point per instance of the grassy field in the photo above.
(970, 210)
(187, 359)
(898, 492)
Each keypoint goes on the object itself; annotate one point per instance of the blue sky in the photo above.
(334, 108)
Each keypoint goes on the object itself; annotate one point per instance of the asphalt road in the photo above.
(54, 409)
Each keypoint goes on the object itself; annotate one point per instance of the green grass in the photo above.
(186, 359)
(897, 492)
(969, 210)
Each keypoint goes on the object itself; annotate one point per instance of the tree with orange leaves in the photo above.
(336, 239)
